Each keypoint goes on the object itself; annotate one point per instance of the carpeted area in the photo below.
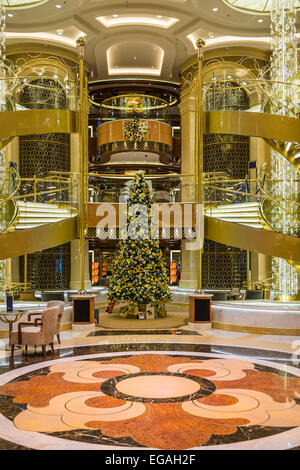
(174, 319)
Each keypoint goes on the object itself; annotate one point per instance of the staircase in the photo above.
(37, 227)
(247, 213)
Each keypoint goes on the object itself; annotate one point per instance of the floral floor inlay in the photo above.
(154, 400)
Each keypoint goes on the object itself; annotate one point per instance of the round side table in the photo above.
(11, 318)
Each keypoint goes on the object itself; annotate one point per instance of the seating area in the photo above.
(236, 294)
(38, 333)
(40, 329)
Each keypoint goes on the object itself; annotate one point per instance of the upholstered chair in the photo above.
(51, 304)
(40, 333)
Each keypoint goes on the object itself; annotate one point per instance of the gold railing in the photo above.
(237, 191)
(31, 88)
(219, 94)
(60, 191)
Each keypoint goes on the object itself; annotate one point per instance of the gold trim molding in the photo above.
(38, 121)
(253, 239)
(270, 126)
(43, 237)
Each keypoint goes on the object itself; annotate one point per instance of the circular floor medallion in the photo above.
(183, 395)
(158, 388)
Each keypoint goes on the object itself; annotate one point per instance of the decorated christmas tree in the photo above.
(139, 274)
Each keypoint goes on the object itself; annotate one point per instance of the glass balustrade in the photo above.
(235, 91)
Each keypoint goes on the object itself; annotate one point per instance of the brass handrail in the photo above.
(258, 83)
(253, 195)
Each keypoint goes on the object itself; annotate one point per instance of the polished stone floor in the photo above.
(166, 389)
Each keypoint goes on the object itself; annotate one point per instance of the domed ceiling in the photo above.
(146, 38)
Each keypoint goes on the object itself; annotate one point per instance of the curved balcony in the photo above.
(155, 148)
(114, 132)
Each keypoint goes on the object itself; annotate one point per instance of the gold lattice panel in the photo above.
(43, 94)
(223, 266)
(134, 146)
(38, 155)
(49, 269)
(226, 153)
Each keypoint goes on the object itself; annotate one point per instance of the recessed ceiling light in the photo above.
(115, 15)
(58, 6)
(159, 16)
(10, 15)
(260, 20)
(135, 19)
(215, 9)
(211, 35)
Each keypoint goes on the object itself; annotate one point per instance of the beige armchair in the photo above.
(40, 333)
(51, 304)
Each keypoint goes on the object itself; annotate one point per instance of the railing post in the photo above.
(83, 148)
(34, 187)
(25, 272)
(199, 166)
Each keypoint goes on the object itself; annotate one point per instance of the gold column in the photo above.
(199, 163)
(188, 112)
(83, 156)
(261, 265)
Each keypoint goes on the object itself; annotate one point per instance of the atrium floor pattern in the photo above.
(151, 395)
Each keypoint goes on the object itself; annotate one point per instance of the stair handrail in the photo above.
(266, 197)
(261, 84)
(70, 186)
(261, 195)
(14, 175)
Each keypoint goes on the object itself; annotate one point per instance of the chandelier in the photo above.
(252, 7)
(18, 4)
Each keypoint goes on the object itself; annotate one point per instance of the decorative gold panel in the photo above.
(38, 121)
(39, 238)
(50, 269)
(253, 239)
(261, 125)
(40, 154)
(226, 153)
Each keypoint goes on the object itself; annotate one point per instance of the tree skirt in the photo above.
(175, 318)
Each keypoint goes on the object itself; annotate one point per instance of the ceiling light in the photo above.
(260, 20)
(115, 15)
(215, 9)
(44, 37)
(122, 20)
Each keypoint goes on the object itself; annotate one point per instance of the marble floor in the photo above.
(171, 389)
